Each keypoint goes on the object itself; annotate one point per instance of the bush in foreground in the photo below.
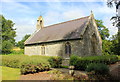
(82, 62)
(26, 69)
(55, 62)
(98, 68)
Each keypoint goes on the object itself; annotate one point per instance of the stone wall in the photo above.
(78, 47)
(32, 50)
(54, 49)
(51, 49)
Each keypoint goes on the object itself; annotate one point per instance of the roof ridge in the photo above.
(66, 21)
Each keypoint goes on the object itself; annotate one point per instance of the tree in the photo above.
(104, 32)
(8, 35)
(106, 47)
(117, 17)
(21, 43)
(115, 44)
(116, 41)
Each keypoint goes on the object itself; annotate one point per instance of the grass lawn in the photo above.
(10, 73)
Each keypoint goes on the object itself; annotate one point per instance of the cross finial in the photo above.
(91, 12)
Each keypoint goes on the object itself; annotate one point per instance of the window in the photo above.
(67, 48)
(94, 45)
(43, 50)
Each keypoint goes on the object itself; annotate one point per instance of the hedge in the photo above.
(55, 62)
(82, 62)
(16, 61)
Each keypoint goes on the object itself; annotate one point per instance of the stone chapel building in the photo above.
(79, 37)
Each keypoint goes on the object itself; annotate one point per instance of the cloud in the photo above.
(15, 7)
(25, 14)
(22, 30)
(112, 29)
(52, 17)
(73, 14)
(54, 0)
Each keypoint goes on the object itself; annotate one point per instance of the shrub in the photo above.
(98, 68)
(55, 62)
(17, 52)
(73, 60)
(26, 69)
(82, 62)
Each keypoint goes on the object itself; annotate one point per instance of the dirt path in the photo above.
(115, 70)
(36, 76)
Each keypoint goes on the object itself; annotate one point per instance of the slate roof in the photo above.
(62, 31)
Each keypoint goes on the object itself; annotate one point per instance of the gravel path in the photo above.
(36, 76)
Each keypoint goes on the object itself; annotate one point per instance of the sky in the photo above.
(24, 13)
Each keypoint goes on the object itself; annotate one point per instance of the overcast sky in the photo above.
(25, 13)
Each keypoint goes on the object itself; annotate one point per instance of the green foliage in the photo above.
(104, 32)
(106, 47)
(21, 43)
(15, 52)
(55, 62)
(64, 66)
(119, 58)
(30, 68)
(18, 52)
(98, 68)
(116, 44)
(16, 61)
(6, 47)
(82, 62)
(73, 59)
(8, 34)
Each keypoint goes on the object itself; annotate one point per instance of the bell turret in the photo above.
(40, 23)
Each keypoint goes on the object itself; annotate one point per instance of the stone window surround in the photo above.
(67, 48)
(43, 50)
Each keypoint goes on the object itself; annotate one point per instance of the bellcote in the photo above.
(40, 23)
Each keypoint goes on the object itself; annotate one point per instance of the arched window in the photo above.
(94, 45)
(43, 50)
(67, 48)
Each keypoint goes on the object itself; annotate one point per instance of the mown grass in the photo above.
(10, 73)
